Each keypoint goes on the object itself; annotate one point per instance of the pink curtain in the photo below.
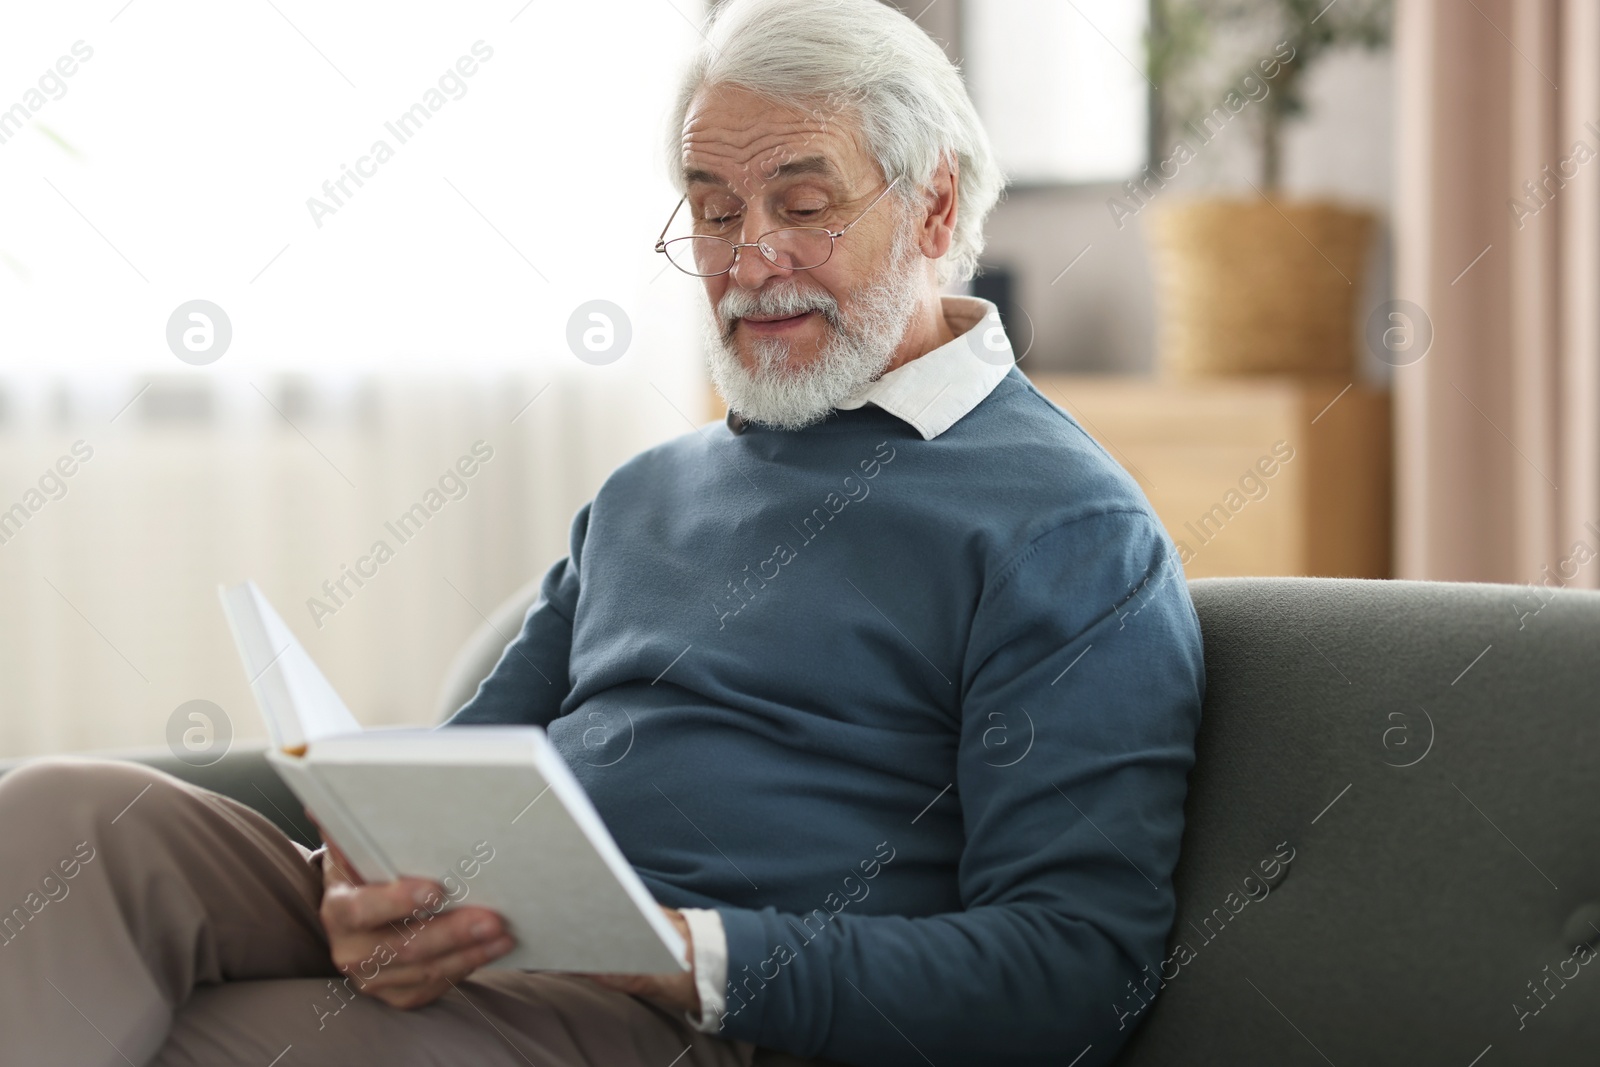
(1497, 225)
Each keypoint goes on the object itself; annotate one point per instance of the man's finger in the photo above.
(446, 934)
(374, 978)
(409, 942)
(363, 907)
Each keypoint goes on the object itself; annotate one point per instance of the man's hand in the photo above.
(396, 942)
(676, 992)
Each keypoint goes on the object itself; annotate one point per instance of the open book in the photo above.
(492, 813)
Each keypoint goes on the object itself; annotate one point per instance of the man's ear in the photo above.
(936, 233)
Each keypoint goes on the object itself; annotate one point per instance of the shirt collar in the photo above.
(937, 389)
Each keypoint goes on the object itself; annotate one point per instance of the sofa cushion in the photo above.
(1427, 754)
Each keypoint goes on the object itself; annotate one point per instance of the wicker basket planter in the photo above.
(1257, 286)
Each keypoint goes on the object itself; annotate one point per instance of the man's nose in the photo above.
(751, 269)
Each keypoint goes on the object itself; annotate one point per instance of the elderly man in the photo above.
(902, 672)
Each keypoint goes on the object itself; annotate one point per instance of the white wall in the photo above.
(1100, 315)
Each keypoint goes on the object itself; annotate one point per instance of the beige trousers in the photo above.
(144, 920)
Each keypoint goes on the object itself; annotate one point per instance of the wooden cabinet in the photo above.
(1250, 476)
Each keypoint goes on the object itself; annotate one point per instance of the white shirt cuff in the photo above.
(710, 951)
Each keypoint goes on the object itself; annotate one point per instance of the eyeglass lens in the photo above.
(793, 249)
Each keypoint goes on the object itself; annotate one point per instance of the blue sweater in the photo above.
(915, 717)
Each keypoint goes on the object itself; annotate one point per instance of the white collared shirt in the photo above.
(931, 393)
(934, 391)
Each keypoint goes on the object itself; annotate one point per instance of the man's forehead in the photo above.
(776, 169)
(735, 139)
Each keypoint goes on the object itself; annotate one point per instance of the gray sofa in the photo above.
(1392, 851)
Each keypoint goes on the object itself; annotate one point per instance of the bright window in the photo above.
(1059, 84)
(356, 186)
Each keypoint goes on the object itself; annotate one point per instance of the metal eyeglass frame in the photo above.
(833, 235)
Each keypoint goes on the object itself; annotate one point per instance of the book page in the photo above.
(296, 700)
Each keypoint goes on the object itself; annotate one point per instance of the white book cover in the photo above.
(492, 813)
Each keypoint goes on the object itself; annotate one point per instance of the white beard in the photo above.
(783, 396)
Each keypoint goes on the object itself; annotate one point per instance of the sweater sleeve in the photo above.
(1080, 698)
(531, 678)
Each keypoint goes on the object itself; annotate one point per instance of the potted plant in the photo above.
(1263, 283)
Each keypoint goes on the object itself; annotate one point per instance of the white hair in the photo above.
(868, 63)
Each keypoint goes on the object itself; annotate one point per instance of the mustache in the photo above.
(739, 303)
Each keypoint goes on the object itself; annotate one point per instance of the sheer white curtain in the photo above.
(379, 331)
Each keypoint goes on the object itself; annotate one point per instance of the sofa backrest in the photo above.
(481, 651)
(1429, 756)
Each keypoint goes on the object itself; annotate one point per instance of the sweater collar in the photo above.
(937, 389)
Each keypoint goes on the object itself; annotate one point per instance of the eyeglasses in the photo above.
(792, 248)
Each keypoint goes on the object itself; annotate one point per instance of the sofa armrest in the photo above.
(243, 775)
